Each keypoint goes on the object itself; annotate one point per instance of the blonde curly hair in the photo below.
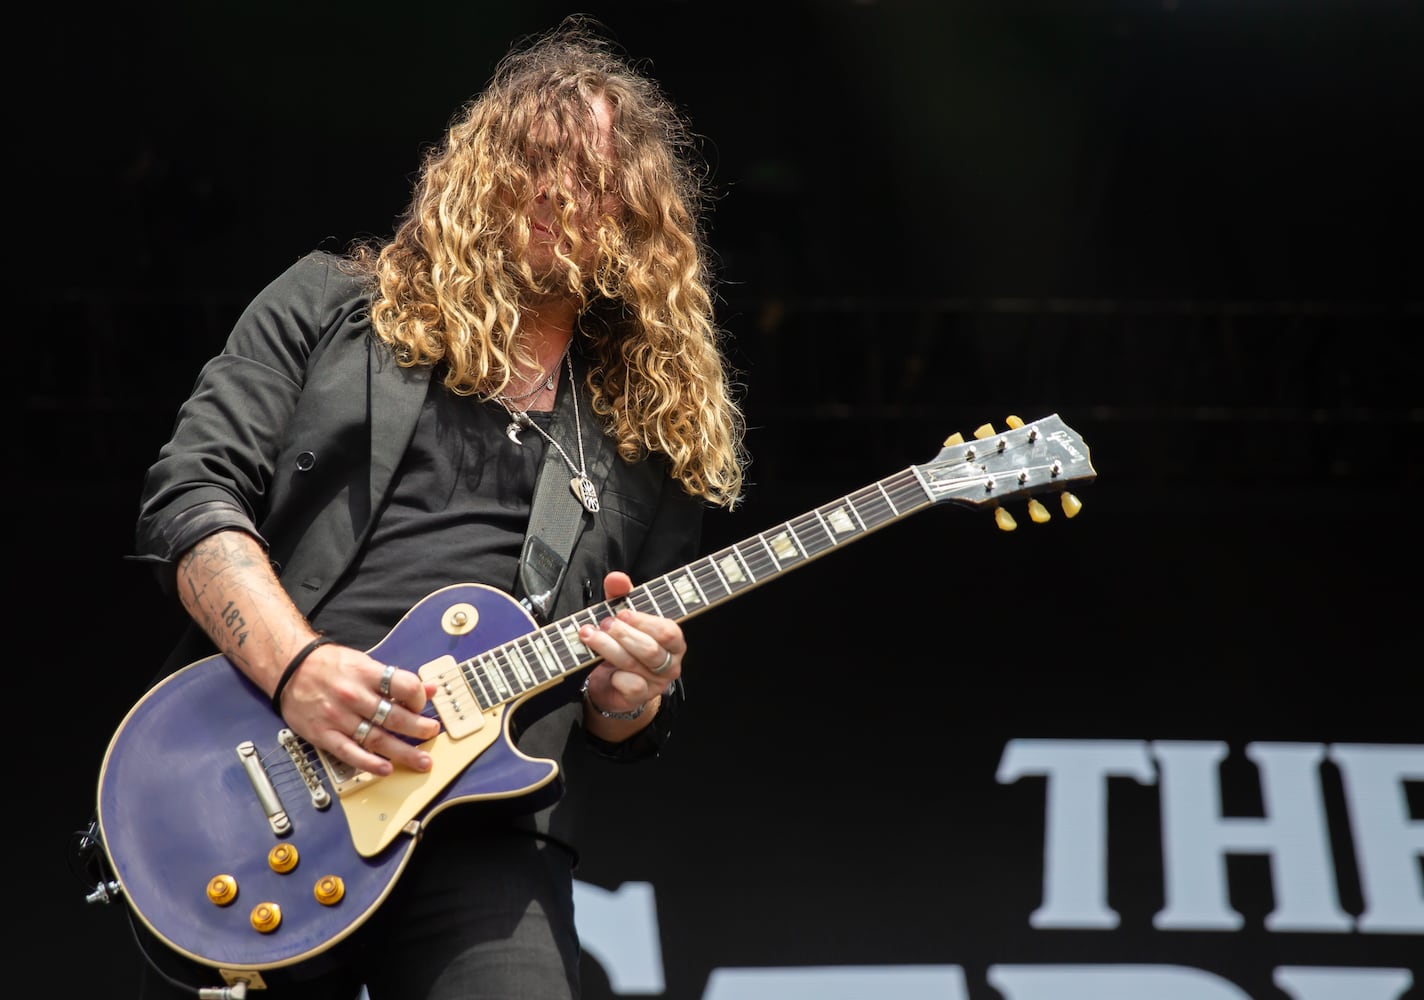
(452, 282)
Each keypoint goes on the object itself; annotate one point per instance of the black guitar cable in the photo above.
(88, 864)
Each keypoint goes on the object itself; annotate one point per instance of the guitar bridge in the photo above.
(306, 767)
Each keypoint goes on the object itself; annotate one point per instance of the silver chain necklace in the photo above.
(581, 486)
(545, 380)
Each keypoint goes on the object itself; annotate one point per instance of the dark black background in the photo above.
(1192, 229)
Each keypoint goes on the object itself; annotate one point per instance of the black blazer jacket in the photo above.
(294, 432)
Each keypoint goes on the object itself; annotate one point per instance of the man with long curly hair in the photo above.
(372, 435)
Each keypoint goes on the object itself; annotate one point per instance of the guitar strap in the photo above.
(554, 520)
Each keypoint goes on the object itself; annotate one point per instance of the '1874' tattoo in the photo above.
(235, 623)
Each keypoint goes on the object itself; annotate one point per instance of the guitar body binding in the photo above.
(178, 810)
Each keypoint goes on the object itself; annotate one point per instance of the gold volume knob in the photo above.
(222, 889)
(329, 890)
(282, 858)
(266, 917)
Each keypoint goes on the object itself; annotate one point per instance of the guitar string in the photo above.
(759, 562)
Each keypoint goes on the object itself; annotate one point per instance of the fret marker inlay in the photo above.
(686, 592)
(732, 570)
(784, 548)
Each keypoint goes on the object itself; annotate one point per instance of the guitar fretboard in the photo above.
(548, 654)
(1027, 459)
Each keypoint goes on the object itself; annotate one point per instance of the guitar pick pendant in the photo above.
(584, 491)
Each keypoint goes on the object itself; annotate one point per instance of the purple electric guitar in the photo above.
(245, 848)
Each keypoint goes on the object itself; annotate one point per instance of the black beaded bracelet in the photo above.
(297, 661)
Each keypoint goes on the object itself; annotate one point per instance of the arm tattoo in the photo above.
(218, 564)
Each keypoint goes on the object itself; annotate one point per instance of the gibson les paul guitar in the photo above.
(244, 848)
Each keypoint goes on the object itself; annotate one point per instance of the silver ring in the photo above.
(382, 710)
(362, 731)
(385, 685)
(665, 664)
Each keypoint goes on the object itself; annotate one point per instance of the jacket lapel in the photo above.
(396, 395)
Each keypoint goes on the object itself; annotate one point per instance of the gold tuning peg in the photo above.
(1004, 520)
(955, 438)
(1071, 504)
(983, 431)
(1014, 422)
(1038, 512)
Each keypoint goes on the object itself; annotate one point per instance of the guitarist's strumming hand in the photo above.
(642, 659)
(332, 697)
(334, 701)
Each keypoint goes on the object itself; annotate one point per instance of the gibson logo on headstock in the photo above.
(1066, 440)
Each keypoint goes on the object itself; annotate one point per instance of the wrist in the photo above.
(618, 716)
(318, 640)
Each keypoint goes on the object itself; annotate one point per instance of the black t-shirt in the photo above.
(457, 513)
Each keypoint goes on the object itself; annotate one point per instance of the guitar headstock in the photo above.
(1025, 460)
